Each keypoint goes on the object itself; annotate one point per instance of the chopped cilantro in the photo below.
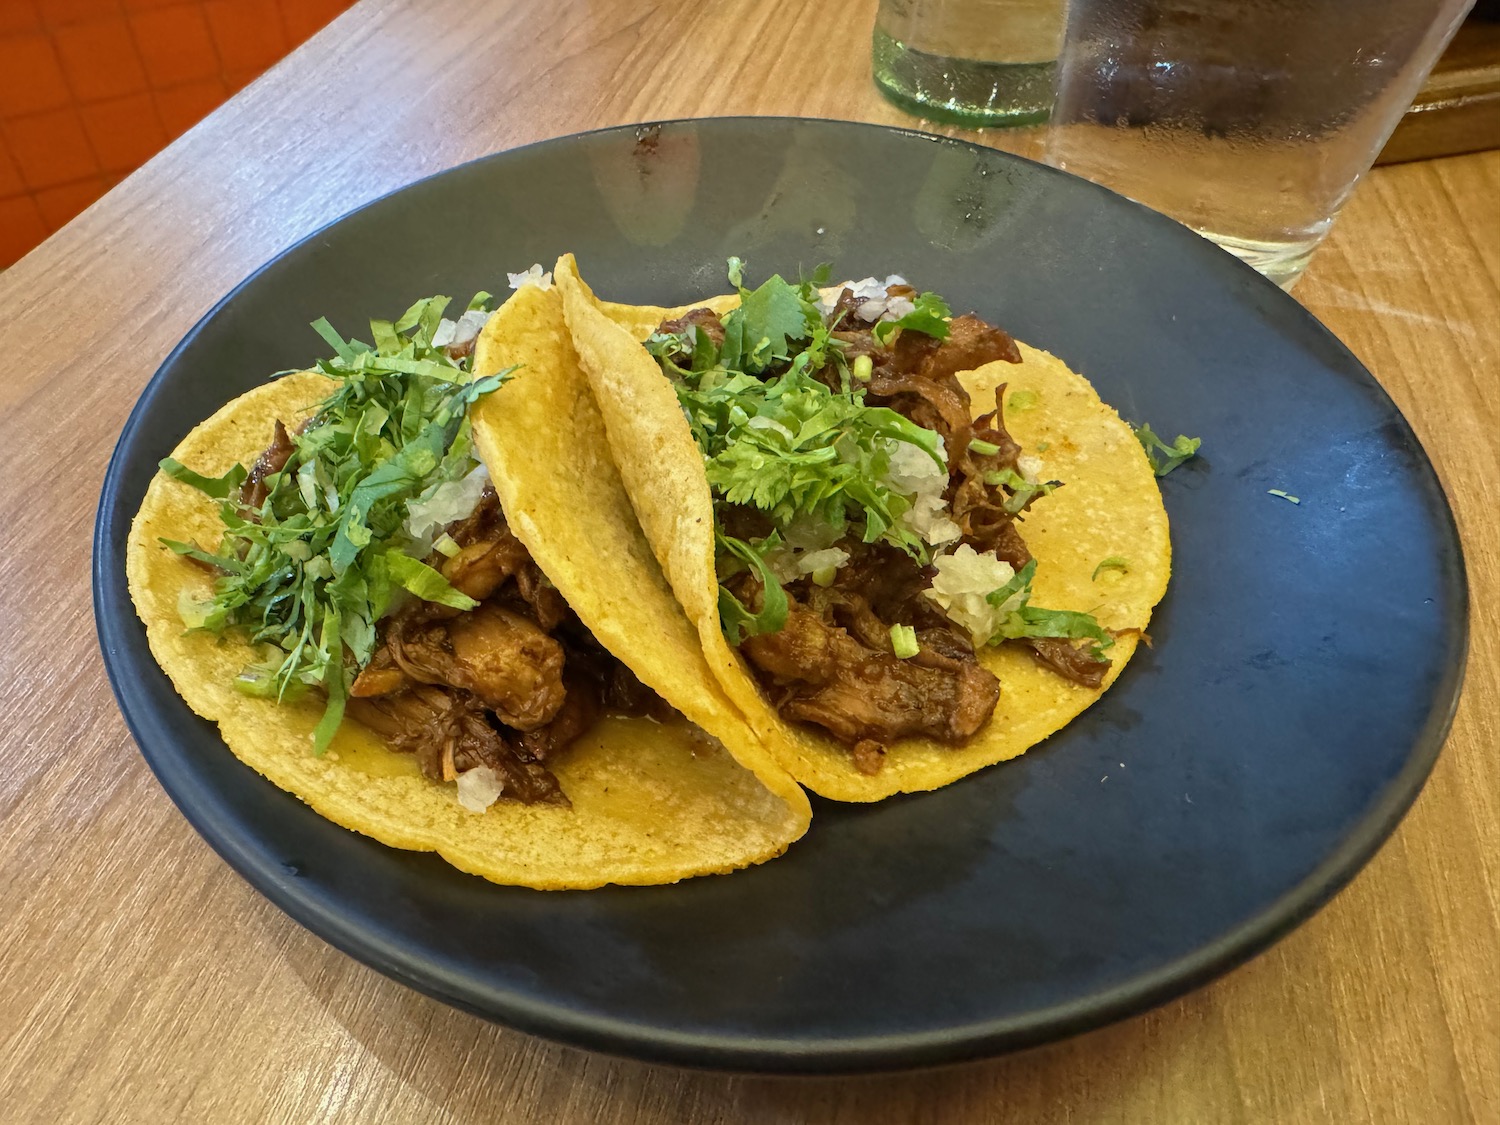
(416, 577)
(308, 574)
(1025, 620)
(1023, 491)
(217, 487)
(794, 449)
(787, 443)
(739, 622)
(778, 412)
(1022, 400)
(756, 333)
(1163, 457)
(929, 315)
(1114, 562)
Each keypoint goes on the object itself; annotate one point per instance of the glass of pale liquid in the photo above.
(1250, 122)
(970, 62)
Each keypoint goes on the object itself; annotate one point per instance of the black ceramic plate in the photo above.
(1306, 663)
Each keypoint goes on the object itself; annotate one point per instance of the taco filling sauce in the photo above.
(868, 527)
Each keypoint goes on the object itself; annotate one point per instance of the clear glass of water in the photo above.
(1250, 122)
(969, 62)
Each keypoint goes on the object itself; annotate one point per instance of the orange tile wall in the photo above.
(92, 89)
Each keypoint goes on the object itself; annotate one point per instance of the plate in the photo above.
(1305, 667)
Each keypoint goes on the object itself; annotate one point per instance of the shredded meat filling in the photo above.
(820, 673)
(509, 684)
(253, 491)
(704, 320)
(833, 663)
(977, 506)
(1068, 660)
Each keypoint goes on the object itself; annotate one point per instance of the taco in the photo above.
(449, 633)
(912, 546)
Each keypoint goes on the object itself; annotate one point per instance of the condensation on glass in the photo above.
(1249, 122)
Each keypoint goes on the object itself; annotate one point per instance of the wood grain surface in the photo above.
(141, 980)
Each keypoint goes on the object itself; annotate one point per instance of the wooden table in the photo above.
(141, 980)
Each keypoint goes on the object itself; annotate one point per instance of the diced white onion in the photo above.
(912, 469)
(537, 276)
(874, 304)
(791, 563)
(831, 557)
(479, 788)
(963, 581)
(872, 288)
(1030, 466)
(928, 518)
(922, 480)
(449, 501)
(456, 333)
(806, 548)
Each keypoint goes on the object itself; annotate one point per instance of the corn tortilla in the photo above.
(1110, 507)
(543, 440)
(651, 803)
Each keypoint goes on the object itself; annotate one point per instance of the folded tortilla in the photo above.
(651, 802)
(1109, 508)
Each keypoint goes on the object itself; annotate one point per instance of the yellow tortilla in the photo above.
(642, 320)
(1110, 507)
(544, 443)
(651, 803)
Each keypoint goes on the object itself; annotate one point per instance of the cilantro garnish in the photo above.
(217, 487)
(1023, 491)
(779, 413)
(1021, 619)
(756, 334)
(739, 622)
(1114, 562)
(309, 573)
(794, 449)
(929, 315)
(777, 437)
(1163, 457)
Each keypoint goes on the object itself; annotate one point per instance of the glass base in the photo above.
(962, 91)
(1282, 262)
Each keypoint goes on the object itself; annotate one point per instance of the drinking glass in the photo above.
(1251, 122)
(970, 62)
